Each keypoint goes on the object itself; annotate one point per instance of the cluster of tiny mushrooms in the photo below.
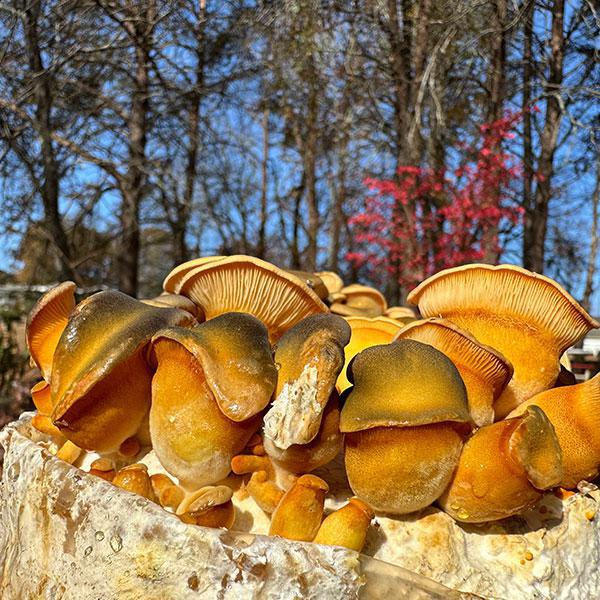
(245, 376)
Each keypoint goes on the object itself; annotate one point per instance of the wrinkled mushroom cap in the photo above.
(100, 380)
(405, 383)
(366, 332)
(527, 317)
(250, 285)
(360, 300)
(309, 358)
(234, 353)
(173, 279)
(46, 323)
(484, 371)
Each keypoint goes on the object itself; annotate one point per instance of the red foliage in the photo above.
(424, 220)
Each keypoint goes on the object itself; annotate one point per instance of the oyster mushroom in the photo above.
(210, 386)
(346, 526)
(361, 301)
(333, 282)
(313, 281)
(484, 371)
(209, 506)
(175, 301)
(574, 412)
(45, 325)
(309, 357)
(529, 318)
(134, 478)
(100, 378)
(173, 279)
(404, 314)
(299, 514)
(402, 421)
(366, 332)
(250, 285)
(503, 468)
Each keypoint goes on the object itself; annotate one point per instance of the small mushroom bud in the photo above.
(298, 516)
(69, 452)
(168, 493)
(264, 491)
(209, 506)
(129, 448)
(346, 526)
(103, 468)
(134, 478)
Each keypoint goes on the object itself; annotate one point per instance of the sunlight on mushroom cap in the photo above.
(484, 371)
(527, 317)
(46, 322)
(250, 285)
(333, 282)
(312, 280)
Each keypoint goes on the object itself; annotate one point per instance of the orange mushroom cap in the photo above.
(250, 285)
(527, 317)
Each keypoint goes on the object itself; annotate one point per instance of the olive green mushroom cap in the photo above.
(99, 365)
(402, 384)
(235, 355)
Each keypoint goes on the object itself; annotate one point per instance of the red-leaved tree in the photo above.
(424, 220)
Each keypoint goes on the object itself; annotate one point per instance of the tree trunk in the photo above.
(135, 179)
(536, 218)
(591, 267)
(310, 169)
(262, 230)
(528, 167)
(184, 210)
(50, 186)
(496, 89)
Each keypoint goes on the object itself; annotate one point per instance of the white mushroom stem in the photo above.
(295, 415)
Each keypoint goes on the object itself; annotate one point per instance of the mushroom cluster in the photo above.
(243, 380)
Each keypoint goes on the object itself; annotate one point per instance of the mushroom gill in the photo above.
(366, 332)
(574, 411)
(484, 371)
(502, 469)
(173, 279)
(210, 386)
(403, 422)
(100, 383)
(527, 317)
(250, 285)
(45, 325)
